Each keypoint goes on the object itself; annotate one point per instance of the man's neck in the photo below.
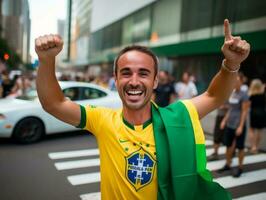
(137, 117)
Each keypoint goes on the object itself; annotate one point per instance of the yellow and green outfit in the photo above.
(132, 167)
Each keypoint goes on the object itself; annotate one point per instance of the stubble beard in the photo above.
(135, 106)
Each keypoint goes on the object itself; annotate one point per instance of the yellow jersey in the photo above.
(127, 154)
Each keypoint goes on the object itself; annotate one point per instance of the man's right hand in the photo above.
(48, 46)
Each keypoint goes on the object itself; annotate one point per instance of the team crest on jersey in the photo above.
(140, 167)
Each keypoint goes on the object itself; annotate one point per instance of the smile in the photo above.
(134, 92)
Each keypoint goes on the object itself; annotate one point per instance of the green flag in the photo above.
(181, 155)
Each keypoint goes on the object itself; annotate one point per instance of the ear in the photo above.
(155, 83)
(115, 77)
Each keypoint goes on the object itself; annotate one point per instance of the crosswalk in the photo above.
(251, 185)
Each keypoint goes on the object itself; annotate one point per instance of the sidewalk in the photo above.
(208, 127)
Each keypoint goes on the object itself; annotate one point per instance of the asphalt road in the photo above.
(66, 167)
(26, 171)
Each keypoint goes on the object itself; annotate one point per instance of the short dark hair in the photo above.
(139, 48)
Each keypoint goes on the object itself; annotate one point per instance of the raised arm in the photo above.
(235, 51)
(49, 91)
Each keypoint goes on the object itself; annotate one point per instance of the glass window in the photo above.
(136, 27)
(166, 17)
(196, 14)
(112, 35)
(200, 14)
(72, 93)
(95, 44)
(92, 93)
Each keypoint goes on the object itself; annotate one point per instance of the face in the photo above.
(163, 78)
(185, 77)
(135, 79)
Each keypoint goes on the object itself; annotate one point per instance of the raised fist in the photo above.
(48, 46)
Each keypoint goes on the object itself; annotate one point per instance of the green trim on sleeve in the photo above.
(82, 123)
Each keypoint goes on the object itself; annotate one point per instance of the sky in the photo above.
(44, 15)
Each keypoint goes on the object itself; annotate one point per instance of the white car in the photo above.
(24, 119)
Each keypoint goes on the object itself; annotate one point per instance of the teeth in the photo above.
(134, 92)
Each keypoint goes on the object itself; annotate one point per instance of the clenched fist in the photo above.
(235, 49)
(48, 46)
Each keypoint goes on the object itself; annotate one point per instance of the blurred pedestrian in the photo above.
(164, 94)
(21, 86)
(244, 80)
(234, 123)
(218, 132)
(186, 89)
(257, 113)
(102, 80)
(1, 87)
(6, 83)
(111, 84)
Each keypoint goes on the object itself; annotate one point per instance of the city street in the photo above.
(66, 166)
(27, 172)
(69, 63)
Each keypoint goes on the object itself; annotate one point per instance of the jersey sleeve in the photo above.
(91, 118)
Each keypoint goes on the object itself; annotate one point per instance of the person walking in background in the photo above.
(244, 80)
(234, 123)
(164, 94)
(218, 132)
(6, 83)
(21, 86)
(185, 89)
(257, 113)
(111, 84)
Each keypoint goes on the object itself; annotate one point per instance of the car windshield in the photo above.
(30, 95)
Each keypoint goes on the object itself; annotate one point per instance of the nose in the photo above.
(134, 81)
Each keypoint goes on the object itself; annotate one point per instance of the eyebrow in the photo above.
(144, 70)
(141, 69)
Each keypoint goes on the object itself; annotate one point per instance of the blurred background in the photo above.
(186, 35)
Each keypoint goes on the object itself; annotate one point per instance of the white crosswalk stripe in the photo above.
(91, 196)
(248, 177)
(215, 165)
(77, 162)
(73, 154)
(221, 151)
(259, 196)
(84, 178)
(208, 142)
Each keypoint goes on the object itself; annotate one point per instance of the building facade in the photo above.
(16, 27)
(185, 34)
(77, 33)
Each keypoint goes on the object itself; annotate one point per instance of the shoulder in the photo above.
(101, 109)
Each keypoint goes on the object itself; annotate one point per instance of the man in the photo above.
(133, 166)
(186, 89)
(234, 123)
(165, 92)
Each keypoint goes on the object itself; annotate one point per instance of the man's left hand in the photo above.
(235, 49)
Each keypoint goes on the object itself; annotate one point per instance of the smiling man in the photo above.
(146, 152)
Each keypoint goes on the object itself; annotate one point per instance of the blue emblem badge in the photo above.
(140, 167)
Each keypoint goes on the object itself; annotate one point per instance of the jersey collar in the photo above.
(138, 127)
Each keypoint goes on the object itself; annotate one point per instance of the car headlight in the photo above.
(2, 117)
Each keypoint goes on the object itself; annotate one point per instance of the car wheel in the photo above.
(28, 130)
